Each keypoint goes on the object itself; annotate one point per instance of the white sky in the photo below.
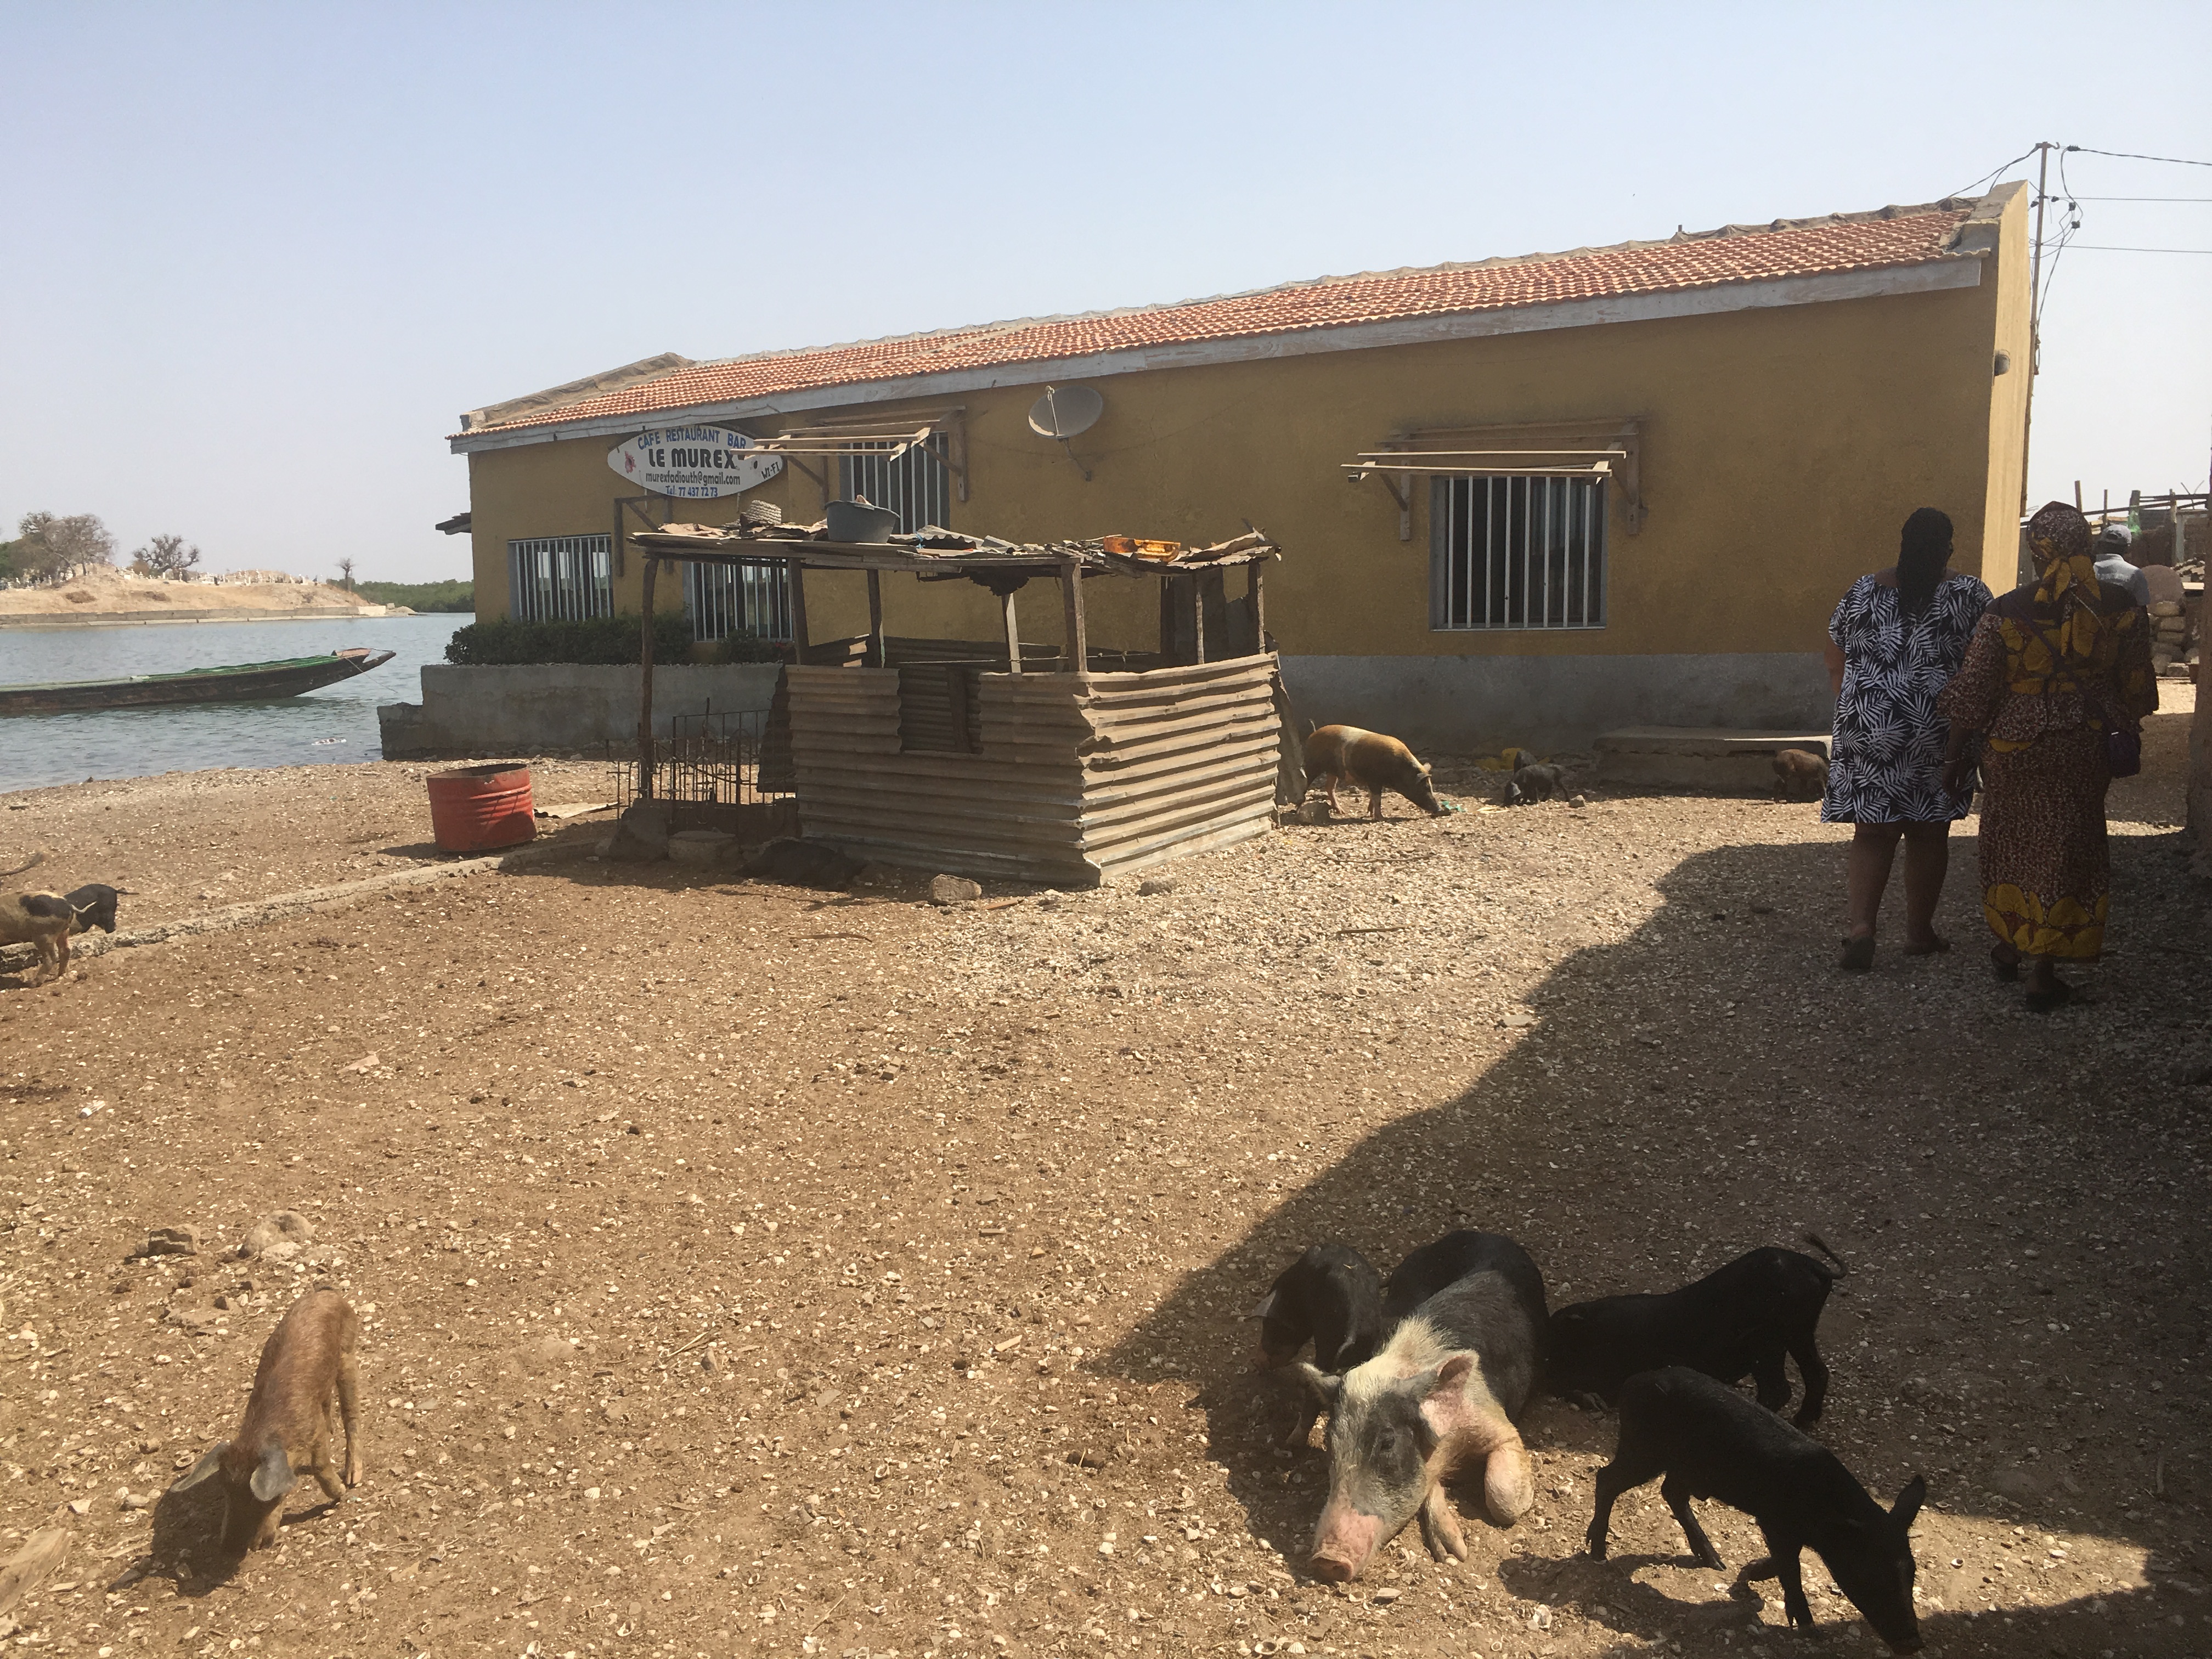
(255, 260)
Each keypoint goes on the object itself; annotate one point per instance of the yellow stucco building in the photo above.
(1688, 450)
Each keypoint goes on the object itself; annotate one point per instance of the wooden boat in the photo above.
(250, 682)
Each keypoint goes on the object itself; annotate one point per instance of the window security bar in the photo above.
(561, 578)
(1519, 552)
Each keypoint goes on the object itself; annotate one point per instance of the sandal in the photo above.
(2042, 1002)
(1859, 955)
(2004, 963)
(1934, 946)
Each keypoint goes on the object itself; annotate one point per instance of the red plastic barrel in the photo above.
(475, 808)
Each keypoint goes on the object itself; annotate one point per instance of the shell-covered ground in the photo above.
(749, 1269)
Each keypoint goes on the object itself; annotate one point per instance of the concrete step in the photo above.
(1707, 759)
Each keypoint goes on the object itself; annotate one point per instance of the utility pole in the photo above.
(2034, 314)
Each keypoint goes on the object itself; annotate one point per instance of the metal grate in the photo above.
(561, 578)
(916, 485)
(1517, 552)
(711, 768)
(723, 598)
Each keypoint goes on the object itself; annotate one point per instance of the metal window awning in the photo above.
(884, 438)
(1488, 463)
(1606, 448)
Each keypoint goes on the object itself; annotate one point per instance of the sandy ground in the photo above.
(115, 595)
(751, 1270)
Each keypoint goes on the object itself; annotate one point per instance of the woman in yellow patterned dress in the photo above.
(2056, 678)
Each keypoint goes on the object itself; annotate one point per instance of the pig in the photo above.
(94, 906)
(1332, 1294)
(308, 1359)
(1432, 1267)
(1536, 783)
(1799, 774)
(1372, 761)
(1709, 1442)
(1738, 1319)
(1443, 1395)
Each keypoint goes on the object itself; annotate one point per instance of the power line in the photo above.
(1975, 188)
(2097, 248)
(2129, 155)
(2143, 199)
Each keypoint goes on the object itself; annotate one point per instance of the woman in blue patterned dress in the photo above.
(1894, 643)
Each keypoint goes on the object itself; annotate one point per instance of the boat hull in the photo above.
(258, 681)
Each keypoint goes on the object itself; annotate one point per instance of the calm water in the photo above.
(335, 724)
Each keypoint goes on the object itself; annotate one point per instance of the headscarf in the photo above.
(1922, 550)
(2066, 614)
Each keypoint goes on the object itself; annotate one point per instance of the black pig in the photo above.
(1709, 1442)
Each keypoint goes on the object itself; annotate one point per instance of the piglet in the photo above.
(1442, 1395)
(1709, 1442)
(1799, 774)
(308, 1359)
(1331, 1294)
(1372, 761)
(1739, 1320)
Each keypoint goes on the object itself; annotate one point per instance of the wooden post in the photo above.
(1256, 602)
(1070, 599)
(876, 619)
(1197, 620)
(645, 685)
(795, 578)
(1014, 636)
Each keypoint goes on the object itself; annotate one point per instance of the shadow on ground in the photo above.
(2018, 1195)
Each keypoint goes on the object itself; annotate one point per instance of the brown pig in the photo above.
(308, 1360)
(1799, 774)
(1372, 761)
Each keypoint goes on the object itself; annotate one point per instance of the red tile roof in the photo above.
(1854, 242)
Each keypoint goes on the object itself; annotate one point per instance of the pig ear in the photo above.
(273, 1476)
(201, 1470)
(1908, 1504)
(1325, 1387)
(1265, 1309)
(1444, 1407)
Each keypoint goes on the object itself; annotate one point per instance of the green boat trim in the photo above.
(232, 683)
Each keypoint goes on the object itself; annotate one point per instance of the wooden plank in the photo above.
(1257, 605)
(1014, 636)
(875, 619)
(645, 685)
(1071, 600)
(796, 571)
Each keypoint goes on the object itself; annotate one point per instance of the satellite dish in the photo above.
(1065, 410)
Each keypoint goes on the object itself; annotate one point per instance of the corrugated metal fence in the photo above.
(1074, 777)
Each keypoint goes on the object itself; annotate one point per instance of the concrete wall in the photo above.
(1477, 705)
(553, 706)
(1782, 445)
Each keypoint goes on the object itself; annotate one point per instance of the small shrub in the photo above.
(742, 646)
(595, 640)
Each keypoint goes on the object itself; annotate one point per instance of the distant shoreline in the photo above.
(171, 618)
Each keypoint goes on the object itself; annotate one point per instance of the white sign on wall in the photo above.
(701, 462)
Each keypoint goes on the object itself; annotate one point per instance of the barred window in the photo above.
(1517, 552)
(561, 578)
(914, 485)
(723, 598)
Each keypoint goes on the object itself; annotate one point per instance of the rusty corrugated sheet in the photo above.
(1076, 777)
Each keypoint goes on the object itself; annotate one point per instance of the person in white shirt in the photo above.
(2113, 569)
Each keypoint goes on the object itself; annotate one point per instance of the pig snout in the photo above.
(1343, 1542)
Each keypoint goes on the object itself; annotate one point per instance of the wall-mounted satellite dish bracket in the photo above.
(1063, 412)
